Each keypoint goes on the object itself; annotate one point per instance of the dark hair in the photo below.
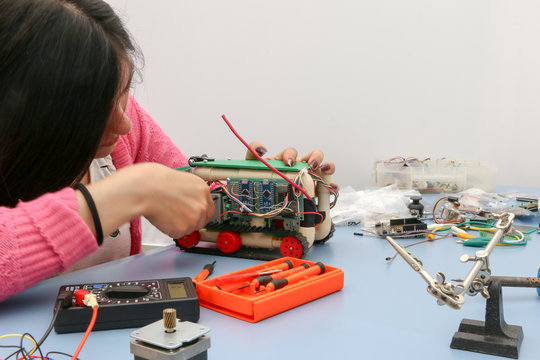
(60, 71)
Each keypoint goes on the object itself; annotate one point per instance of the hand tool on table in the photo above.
(233, 282)
(261, 281)
(314, 270)
(206, 272)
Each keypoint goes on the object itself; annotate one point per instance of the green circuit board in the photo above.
(246, 164)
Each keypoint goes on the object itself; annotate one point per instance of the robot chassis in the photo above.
(245, 235)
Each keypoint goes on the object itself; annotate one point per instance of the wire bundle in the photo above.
(63, 299)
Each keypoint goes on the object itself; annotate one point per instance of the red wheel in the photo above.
(229, 241)
(189, 240)
(291, 247)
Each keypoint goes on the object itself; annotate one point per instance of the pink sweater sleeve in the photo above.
(45, 236)
(146, 142)
(39, 239)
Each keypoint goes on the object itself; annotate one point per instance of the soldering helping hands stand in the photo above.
(477, 280)
(492, 336)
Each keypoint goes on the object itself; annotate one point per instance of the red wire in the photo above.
(231, 211)
(264, 161)
(313, 213)
(88, 331)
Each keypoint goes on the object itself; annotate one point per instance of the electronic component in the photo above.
(527, 197)
(129, 303)
(260, 196)
(266, 195)
(416, 208)
(405, 226)
(217, 198)
(245, 193)
(170, 339)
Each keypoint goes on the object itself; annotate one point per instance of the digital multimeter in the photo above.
(129, 304)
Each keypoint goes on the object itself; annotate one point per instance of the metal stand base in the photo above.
(473, 336)
(494, 336)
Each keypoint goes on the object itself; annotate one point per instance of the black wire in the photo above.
(11, 346)
(15, 353)
(24, 352)
(48, 331)
(38, 343)
(59, 353)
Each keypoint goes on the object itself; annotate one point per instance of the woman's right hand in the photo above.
(175, 202)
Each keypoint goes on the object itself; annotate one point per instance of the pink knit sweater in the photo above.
(45, 236)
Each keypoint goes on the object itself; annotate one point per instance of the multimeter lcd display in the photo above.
(177, 290)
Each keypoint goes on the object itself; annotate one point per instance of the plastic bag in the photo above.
(369, 207)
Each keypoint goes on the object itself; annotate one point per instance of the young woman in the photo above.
(80, 160)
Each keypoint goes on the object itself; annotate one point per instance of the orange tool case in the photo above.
(247, 305)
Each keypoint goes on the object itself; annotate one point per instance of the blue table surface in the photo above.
(382, 312)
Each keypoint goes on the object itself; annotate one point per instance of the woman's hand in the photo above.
(290, 156)
(175, 202)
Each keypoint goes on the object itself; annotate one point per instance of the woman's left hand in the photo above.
(289, 156)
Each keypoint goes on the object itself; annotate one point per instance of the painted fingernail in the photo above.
(314, 164)
(325, 167)
(290, 162)
(261, 150)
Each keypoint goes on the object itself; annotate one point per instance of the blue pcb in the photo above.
(245, 192)
(267, 195)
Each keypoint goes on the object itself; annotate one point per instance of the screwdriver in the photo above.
(315, 270)
(207, 271)
(241, 278)
(255, 284)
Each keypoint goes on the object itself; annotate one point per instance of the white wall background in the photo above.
(361, 79)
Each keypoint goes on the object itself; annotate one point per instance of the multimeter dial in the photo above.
(126, 292)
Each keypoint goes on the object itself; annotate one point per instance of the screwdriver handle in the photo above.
(265, 279)
(315, 270)
(222, 280)
(234, 281)
(286, 265)
(207, 271)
